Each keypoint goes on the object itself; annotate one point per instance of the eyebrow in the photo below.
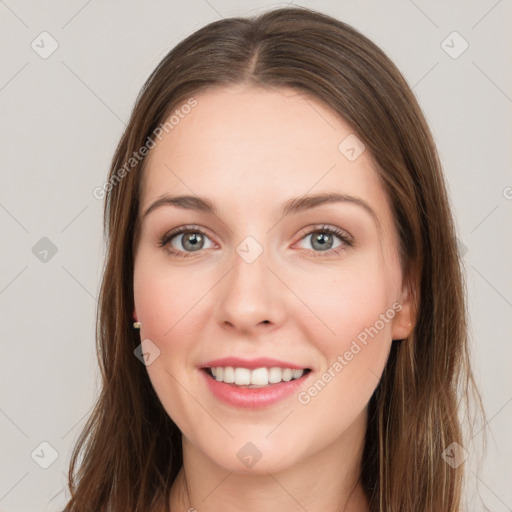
(291, 206)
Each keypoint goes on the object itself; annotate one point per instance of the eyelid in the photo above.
(339, 232)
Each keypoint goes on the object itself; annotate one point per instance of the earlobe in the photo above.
(405, 318)
(401, 327)
(136, 323)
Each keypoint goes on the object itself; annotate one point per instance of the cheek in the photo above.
(346, 300)
(168, 301)
(353, 331)
(166, 298)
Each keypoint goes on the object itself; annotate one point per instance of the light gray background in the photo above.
(62, 117)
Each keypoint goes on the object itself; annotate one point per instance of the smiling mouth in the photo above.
(258, 378)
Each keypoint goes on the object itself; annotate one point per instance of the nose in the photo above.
(250, 298)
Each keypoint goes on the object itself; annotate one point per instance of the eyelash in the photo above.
(164, 242)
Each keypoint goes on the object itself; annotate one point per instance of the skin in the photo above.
(248, 150)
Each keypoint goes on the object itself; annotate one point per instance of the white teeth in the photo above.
(242, 376)
(297, 374)
(287, 374)
(256, 377)
(274, 375)
(259, 377)
(229, 375)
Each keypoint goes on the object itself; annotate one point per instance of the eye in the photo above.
(187, 240)
(322, 239)
(184, 241)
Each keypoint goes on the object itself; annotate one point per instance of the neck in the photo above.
(328, 480)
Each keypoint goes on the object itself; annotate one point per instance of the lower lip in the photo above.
(253, 398)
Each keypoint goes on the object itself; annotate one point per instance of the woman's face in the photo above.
(251, 280)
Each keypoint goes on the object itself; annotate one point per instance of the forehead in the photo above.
(254, 148)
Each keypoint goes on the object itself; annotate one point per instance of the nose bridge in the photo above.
(250, 261)
(250, 275)
(249, 295)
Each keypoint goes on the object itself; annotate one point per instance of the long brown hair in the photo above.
(129, 452)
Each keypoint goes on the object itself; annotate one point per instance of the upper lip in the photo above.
(260, 362)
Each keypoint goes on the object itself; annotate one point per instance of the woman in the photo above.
(282, 320)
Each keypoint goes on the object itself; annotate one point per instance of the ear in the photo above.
(135, 316)
(404, 320)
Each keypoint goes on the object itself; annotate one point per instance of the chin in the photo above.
(256, 457)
